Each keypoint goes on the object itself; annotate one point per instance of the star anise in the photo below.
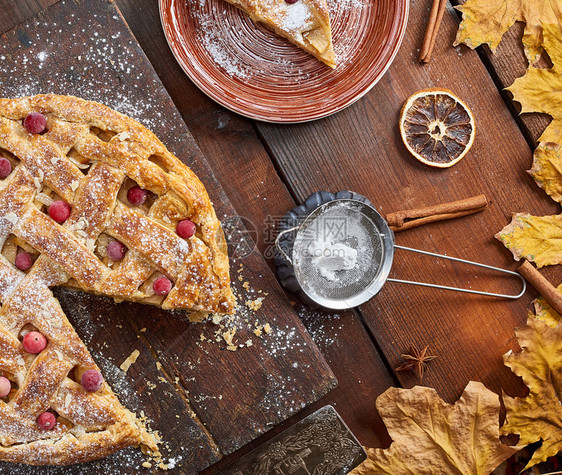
(416, 361)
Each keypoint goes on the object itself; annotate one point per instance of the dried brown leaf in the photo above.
(433, 437)
(547, 169)
(539, 415)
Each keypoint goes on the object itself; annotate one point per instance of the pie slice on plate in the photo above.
(91, 199)
(305, 23)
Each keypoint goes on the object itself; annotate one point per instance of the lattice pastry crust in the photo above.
(89, 157)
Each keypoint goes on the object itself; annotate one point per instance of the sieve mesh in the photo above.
(341, 222)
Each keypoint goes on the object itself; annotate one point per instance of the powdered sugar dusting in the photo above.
(246, 50)
(112, 465)
(296, 16)
(347, 21)
(218, 46)
(249, 50)
(322, 326)
(100, 70)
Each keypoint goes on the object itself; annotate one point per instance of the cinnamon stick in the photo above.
(542, 285)
(435, 19)
(455, 209)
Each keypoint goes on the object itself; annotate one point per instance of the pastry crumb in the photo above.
(246, 285)
(129, 361)
(143, 330)
(231, 348)
(147, 465)
(228, 336)
(197, 316)
(267, 328)
(249, 343)
(255, 305)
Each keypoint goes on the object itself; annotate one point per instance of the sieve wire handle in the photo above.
(278, 238)
(458, 289)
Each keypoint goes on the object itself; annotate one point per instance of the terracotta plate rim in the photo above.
(209, 90)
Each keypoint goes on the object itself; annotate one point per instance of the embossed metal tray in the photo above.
(320, 444)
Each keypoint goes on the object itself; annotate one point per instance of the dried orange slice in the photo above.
(437, 127)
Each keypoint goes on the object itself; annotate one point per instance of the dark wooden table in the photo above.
(266, 169)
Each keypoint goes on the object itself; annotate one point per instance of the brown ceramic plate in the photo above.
(254, 72)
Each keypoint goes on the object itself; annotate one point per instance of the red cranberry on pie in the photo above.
(59, 211)
(5, 167)
(116, 250)
(34, 342)
(5, 386)
(137, 195)
(23, 260)
(91, 380)
(162, 286)
(35, 123)
(47, 421)
(185, 228)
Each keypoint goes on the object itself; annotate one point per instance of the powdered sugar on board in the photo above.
(323, 327)
(99, 72)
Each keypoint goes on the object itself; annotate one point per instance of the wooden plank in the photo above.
(362, 377)
(361, 149)
(231, 396)
(12, 13)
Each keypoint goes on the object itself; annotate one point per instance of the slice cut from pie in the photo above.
(305, 23)
(48, 414)
(139, 224)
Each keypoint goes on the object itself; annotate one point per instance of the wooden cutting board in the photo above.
(204, 400)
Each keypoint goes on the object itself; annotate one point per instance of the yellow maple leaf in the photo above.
(539, 415)
(485, 21)
(536, 238)
(547, 169)
(433, 437)
(540, 90)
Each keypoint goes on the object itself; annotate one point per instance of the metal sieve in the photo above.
(354, 225)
